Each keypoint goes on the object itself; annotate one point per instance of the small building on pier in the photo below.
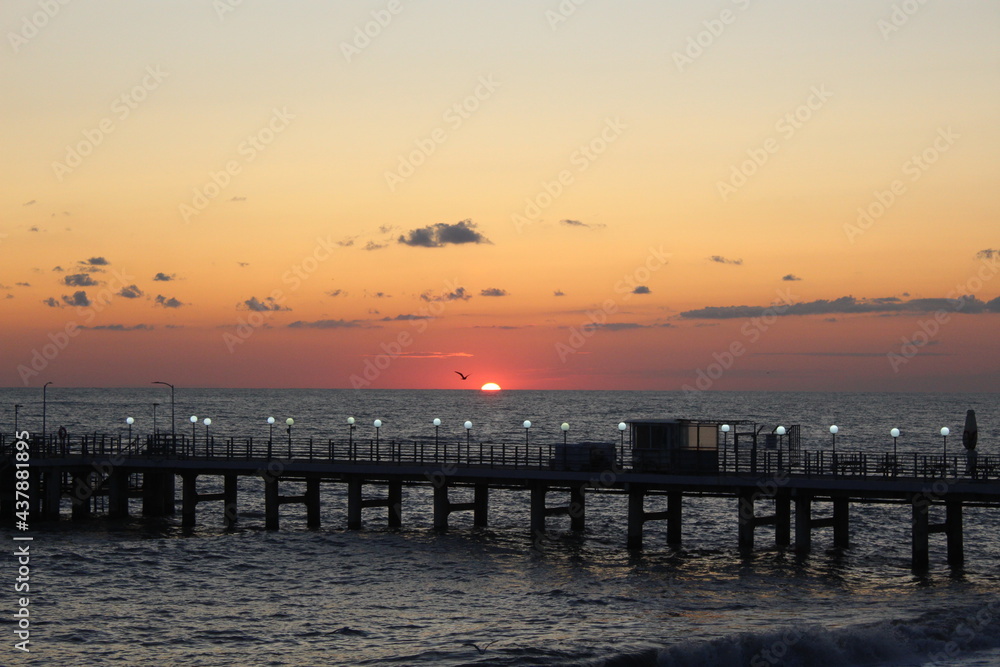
(677, 446)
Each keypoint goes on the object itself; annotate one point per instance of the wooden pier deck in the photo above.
(101, 473)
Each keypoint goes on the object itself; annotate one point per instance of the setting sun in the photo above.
(490, 386)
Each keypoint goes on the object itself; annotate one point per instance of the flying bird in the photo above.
(464, 377)
(476, 646)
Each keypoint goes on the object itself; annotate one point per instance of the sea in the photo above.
(144, 591)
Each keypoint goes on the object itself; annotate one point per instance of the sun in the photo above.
(490, 386)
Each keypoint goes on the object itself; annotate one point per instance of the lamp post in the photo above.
(45, 404)
(895, 434)
(350, 432)
(173, 432)
(17, 407)
(207, 422)
(781, 434)
(565, 430)
(833, 432)
(526, 425)
(289, 422)
(468, 432)
(129, 421)
(945, 432)
(194, 422)
(270, 436)
(377, 424)
(725, 434)
(154, 419)
(437, 425)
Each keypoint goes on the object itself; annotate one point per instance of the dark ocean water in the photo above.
(142, 592)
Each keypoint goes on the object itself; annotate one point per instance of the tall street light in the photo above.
(44, 407)
(173, 433)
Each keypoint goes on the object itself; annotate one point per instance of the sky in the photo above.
(574, 194)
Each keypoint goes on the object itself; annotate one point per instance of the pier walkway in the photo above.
(102, 473)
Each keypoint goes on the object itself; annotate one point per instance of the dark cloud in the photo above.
(167, 303)
(371, 245)
(94, 261)
(51, 302)
(346, 243)
(121, 327)
(723, 260)
(79, 280)
(559, 292)
(459, 294)
(131, 292)
(385, 229)
(58, 268)
(336, 292)
(267, 305)
(642, 289)
(327, 324)
(377, 295)
(30, 203)
(846, 305)
(23, 284)
(441, 234)
(406, 318)
(988, 253)
(243, 265)
(790, 276)
(493, 291)
(34, 228)
(164, 277)
(78, 299)
(584, 225)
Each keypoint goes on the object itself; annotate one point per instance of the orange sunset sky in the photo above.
(721, 195)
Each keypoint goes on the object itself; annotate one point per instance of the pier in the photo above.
(775, 484)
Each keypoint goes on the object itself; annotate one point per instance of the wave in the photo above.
(936, 638)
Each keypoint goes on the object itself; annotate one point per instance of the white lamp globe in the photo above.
(207, 422)
(270, 420)
(834, 429)
(526, 424)
(565, 426)
(129, 421)
(377, 423)
(350, 421)
(194, 419)
(468, 425)
(289, 421)
(725, 428)
(436, 422)
(622, 426)
(894, 432)
(780, 430)
(945, 431)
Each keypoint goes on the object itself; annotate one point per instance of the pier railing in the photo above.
(731, 460)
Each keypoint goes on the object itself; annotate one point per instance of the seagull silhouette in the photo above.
(464, 377)
(476, 646)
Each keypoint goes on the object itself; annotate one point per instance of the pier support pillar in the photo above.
(636, 518)
(538, 491)
(354, 504)
(395, 504)
(118, 494)
(577, 508)
(271, 502)
(82, 493)
(481, 498)
(803, 523)
(189, 499)
(441, 507)
(747, 520)
(675, 500)
(230, 510)
(312, 503)
(953, 529)
(921, 530)
(841, 523)
(7, 492)
(782, 520)
(53, 494)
